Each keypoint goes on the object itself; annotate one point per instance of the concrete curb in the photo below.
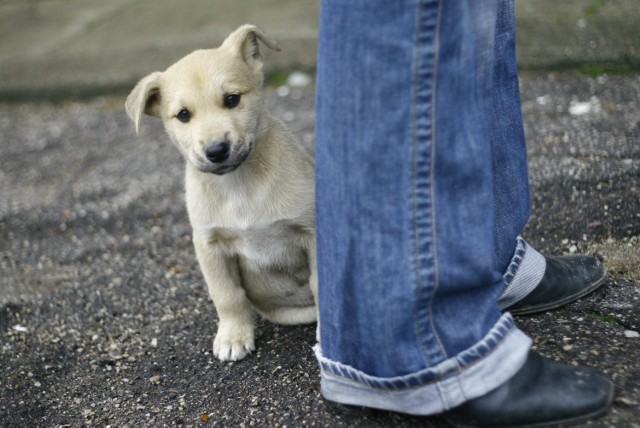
(84, 48)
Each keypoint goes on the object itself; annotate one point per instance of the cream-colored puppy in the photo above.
(249, 187)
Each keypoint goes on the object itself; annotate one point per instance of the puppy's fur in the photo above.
(249, 187)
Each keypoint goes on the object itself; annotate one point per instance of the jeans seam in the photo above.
(436, 58)
(416, 241)
(434, 130)
(417, 196)
(516, 261)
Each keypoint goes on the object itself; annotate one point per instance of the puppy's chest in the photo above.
(277, 244)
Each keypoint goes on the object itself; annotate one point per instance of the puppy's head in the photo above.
(209, 101)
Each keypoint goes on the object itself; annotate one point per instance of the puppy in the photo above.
(249, 187)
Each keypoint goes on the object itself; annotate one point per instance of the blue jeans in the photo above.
(422, 191)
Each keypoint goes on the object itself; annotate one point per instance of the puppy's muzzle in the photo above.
(217, 152)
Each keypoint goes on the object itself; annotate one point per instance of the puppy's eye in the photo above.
(184, 115)
(231, 100)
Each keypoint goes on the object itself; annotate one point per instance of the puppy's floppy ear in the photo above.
(245, 41)
(144, 98)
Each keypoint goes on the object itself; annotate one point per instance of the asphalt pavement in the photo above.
(104, 315)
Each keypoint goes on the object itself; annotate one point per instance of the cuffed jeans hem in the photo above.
(452, 389)
(523, 274)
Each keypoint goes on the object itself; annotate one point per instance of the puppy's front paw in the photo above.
(233, 343)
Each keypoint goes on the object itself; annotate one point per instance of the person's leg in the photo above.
(523, 267)
(509, 153)
(532, 284)
(408, 279)
(408, 284)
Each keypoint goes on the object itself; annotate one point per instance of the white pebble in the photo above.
(283, 91)
(20, 328)
(581, 108)
(578, 109)
(298, 79)
(542, 100)
(631, 334)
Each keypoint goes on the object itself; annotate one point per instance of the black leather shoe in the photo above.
(566, 278)
(542, 393)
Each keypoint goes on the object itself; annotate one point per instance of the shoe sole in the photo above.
(554, 305)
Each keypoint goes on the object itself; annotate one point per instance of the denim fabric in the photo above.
(450, 387)
(523, 274)
(406, 206)
(510, 178)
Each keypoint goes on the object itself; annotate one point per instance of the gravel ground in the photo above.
(105, 318)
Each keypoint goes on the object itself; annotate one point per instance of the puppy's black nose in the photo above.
(217, 152)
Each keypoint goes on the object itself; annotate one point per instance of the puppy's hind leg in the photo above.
(313, 278)
(291, 315)
(281, 296)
